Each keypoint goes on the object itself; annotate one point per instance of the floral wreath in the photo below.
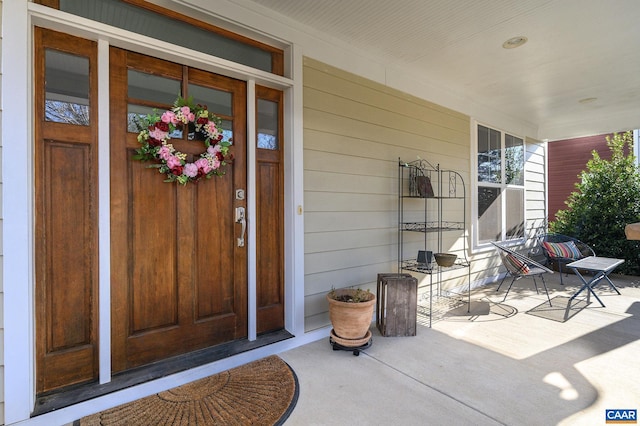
(155, 137)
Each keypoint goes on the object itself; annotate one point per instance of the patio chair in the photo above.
(519, 266)
(563, 249)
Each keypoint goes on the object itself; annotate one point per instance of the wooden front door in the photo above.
(179, 276)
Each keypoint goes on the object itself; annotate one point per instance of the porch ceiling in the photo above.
(576, 50)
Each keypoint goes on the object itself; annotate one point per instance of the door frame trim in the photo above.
(18, 229)
(104, 217)
(252, 298)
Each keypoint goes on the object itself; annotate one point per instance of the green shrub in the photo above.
(606, 200)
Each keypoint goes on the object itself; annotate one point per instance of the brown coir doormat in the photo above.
(262, 392)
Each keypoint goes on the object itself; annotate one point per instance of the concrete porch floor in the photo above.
(517, 369)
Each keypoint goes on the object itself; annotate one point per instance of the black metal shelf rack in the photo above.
(424, 191)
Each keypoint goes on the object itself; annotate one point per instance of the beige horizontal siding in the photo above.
(354, 132)
(376, 97)
(350, 136)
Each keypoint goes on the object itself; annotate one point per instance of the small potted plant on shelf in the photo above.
(351, 313)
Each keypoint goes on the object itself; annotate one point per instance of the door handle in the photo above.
(241, 219)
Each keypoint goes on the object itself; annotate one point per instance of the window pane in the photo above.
(217, 101)
(152, 88)
(489, 215)
(136, 115)
(227, 131)
(67, 88)
(137, 112)
(489, 152)
(267, 124)
(501, 211)
(514, 160)
(514, 199)
(149, 88)
(142, 21)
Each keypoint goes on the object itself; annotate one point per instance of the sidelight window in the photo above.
(268, 124)
(66, 88)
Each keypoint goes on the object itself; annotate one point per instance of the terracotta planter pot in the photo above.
(351, 320)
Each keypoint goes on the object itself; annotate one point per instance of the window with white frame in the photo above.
(499, 206)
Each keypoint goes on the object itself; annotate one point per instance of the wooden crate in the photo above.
(397, 304)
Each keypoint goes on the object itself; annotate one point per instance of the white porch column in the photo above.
(17, 212)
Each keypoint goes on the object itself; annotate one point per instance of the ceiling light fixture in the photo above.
(514, 42)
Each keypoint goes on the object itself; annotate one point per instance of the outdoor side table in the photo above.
(601, 267)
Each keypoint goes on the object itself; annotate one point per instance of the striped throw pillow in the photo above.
(515, 265)
(567, 250)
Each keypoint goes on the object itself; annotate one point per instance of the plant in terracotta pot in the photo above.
(351, 313)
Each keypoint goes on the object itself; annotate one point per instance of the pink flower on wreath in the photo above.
(203, 164)
(164, 152)
(190, 170)
(187, 114)
(173, 161)
(169, 117)
(215, 163)
(158, 134)
(211, 129)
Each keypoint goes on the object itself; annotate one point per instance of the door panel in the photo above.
(269, 213)
(179, 281)
(214, 285)
(153, 248)
(65, 153)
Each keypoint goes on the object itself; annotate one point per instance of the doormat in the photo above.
(262, 392)
(562, 308)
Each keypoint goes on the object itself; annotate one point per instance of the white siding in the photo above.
(354, 132)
